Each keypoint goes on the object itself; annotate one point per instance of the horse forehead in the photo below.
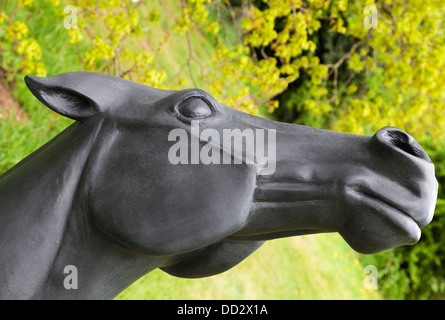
(124, 93)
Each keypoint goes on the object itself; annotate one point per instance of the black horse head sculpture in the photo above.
(148, 178)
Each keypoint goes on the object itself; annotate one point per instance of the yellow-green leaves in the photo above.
(3, 17)
(28, 49)
(24, 3)
(17, 30)
(355, 63)
(74, 36)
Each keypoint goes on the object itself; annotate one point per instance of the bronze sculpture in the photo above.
(113, 196)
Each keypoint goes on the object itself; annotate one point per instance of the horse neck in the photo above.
(36, 198)
(45, 227)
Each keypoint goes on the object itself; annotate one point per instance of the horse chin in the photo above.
(375, 244)
(378, 228)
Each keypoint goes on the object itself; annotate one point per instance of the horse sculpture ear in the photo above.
(62, 100)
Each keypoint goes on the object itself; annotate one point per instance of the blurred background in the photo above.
(350, 66)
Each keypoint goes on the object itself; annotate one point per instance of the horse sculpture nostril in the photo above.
(403, 141)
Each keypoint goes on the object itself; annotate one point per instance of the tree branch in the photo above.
(347, 55)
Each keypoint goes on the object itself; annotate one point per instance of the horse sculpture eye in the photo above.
(195, 108)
